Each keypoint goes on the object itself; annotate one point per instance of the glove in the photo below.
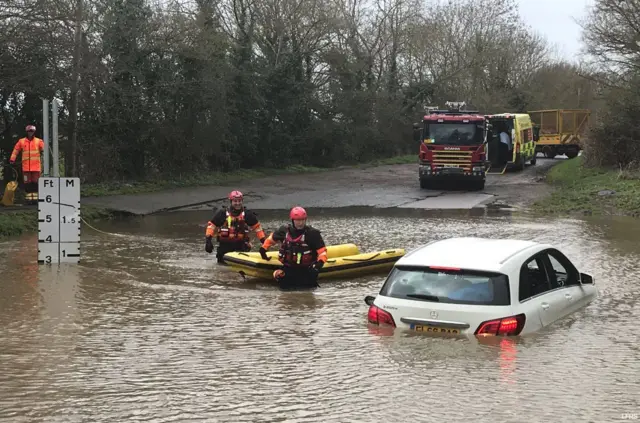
(263, 239)
(208, 247)
(263, 254)
(317, 266)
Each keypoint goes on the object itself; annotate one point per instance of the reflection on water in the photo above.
(149, 327)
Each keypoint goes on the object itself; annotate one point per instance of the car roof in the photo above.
(483, 254)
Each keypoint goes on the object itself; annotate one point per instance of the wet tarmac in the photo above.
(380, 187)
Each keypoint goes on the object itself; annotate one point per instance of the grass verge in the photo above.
(579, 190)
(17, 222)
(219, 178)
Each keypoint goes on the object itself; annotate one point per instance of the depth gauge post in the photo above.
(45, 137)
(58, 205)
(58, 220)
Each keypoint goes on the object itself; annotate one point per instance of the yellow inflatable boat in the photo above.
(343, 260)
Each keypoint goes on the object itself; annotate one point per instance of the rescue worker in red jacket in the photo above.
(302, 252)
(30, 147)
(232, 227)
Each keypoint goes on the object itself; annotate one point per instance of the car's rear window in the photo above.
(447, 286)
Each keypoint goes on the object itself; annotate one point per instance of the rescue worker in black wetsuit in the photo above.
(302, 252)
(232, 227)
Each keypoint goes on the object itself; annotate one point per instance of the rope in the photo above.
(98, 230)
(15, 173)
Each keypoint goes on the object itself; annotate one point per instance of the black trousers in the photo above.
(228, 247)
(504, 151)
(291, 278)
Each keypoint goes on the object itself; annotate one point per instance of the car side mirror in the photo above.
(586, 279)
(369, 299)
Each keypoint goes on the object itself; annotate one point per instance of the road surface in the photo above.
(379, 186)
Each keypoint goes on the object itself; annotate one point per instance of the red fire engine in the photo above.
(452, 146)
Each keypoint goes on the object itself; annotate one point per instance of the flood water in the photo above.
(150, 328)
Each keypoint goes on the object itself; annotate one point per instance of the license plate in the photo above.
(435, 329)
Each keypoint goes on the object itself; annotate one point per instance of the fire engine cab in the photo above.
(452, 146)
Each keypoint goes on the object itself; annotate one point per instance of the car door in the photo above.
(565, 278)
(535, 293)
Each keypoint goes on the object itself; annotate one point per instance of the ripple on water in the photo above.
(148, 329)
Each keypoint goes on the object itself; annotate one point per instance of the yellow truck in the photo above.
(560, 131)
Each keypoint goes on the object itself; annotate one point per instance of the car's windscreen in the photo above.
(454, 133)
(448, 286)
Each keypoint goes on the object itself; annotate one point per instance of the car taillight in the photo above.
(507, 326)
(378, 316)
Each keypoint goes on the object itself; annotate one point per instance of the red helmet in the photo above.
(30, 128)
(298, 213)
(235, 194)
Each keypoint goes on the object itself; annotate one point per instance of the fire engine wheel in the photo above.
(571, 154)
(534, 160)
(425, 183)
(476, 185)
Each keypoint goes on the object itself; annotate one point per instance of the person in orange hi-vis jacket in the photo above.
(303, 252)
(232, 227)
(31, 147)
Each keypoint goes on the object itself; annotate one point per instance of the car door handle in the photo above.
(544, 306)
(568, 296)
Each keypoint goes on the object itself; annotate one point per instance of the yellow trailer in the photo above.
(560, 131)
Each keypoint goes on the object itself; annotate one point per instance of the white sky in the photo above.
(555, 20)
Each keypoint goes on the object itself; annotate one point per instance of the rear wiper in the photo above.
(424, 297)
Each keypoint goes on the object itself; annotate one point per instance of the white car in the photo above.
(477, 286)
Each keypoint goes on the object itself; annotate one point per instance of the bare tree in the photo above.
(612, 35)
(167, 87)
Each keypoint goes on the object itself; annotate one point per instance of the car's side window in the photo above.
(533, 278)
(562, 273)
